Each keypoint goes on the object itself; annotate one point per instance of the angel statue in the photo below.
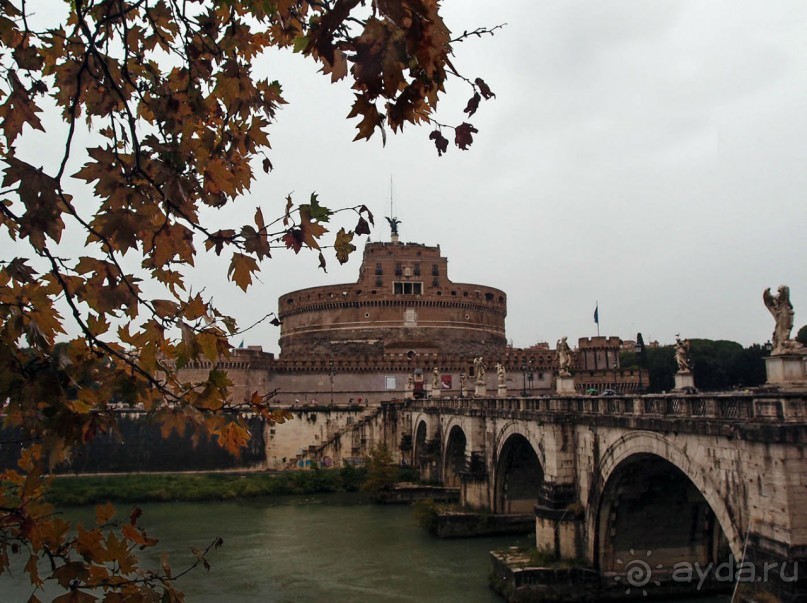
(393, 225)
(479, 370)
(564, 358)
(782, 310)
(682, 354)
(501, 375)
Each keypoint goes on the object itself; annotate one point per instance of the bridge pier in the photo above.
(559, 522)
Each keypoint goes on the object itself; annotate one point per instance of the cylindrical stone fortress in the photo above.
(402, 303)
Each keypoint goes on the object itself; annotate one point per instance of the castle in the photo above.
(383, 336)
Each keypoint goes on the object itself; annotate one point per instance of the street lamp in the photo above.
(330, 376)
(639, 349)
(529, 376)
(462, 384)
(524, 392)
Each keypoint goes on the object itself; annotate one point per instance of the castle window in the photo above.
(417, 269)
(435, 282)
(435, 270)
(378, 269)
(379, 282)
(400, 288)
(488, 296)
(398, 269)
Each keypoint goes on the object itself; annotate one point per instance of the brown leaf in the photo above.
(371, 118)
(343, 245)
(463, 135)
(473, 104)
(440, 141)
(362, 228)
(483, 88)
(241, 269)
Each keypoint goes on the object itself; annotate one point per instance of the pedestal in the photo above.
(787, 371)
(683, 380)
(435, 392)
(481, 389)
(501, 392)
(565, 385)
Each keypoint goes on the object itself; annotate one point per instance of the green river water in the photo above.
(316, 549)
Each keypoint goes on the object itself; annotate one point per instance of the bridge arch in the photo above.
(518, 472)
(427, 447)
(649, 490)
(454, 456)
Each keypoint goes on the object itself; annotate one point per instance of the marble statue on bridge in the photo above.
(782, 310)
(436, 383)
(479, 370)
(564, 358)
(501, 375)
(682, 355)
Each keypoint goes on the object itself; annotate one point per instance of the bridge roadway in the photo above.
(673, 479)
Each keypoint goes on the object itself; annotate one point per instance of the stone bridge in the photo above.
(670, 479)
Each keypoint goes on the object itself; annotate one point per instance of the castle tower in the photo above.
(402, 302)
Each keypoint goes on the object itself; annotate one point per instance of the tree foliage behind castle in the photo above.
(178, 124)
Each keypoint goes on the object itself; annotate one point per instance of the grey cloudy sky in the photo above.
(649, 156)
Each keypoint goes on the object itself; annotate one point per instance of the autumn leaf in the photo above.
(463, 135)
(440, 141)
(473, 104)
(18, 110)
(241, 269)
(362, 228)
(371, 118)
(233, 438)
(343, 245)
(104, 513)
(483, 88)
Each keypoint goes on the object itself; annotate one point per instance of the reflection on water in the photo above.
(326, 548)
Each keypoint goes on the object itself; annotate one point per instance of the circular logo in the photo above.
(638, 573)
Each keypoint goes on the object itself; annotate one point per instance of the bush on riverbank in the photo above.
(150, 487)
(133, 488)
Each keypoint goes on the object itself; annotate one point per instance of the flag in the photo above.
(597, 314)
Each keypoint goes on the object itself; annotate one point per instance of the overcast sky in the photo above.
(646, 156)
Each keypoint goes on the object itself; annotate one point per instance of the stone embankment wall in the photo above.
(328, 437)
(139, 446)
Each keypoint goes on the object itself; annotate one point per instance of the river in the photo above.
(313, 549)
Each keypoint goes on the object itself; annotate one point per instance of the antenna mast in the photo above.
(393, 221)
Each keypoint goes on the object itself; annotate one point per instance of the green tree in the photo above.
(178, 124)
(716, 365)
(381, 469)
(661, 366)
(801, 336)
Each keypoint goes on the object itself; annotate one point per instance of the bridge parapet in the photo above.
(775, 408)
